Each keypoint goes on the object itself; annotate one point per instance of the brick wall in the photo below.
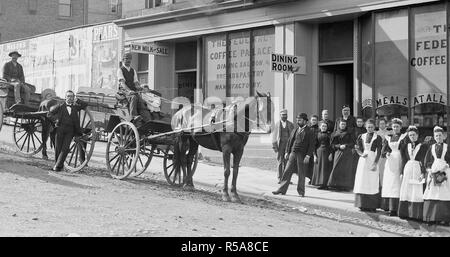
(16, 21)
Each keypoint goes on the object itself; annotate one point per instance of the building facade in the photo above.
(26, 18)
(385, 58)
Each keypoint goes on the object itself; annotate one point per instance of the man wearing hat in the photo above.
(13, 72)
(280, 137)
(299, 150)
(129, 85)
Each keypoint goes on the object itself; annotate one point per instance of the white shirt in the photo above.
(120, 74)
(69, 109)
(283, 124)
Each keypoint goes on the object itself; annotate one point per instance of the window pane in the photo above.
(215, 65)
(366, 66)
(64, 10)
(336, 41)
(239, 65)
(186, 55)
(263, 46)
(142, 62)
(428, 66)
(391, 65)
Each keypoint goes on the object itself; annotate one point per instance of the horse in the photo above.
(224, 134)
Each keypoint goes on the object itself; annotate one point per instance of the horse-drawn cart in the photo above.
(32, 127)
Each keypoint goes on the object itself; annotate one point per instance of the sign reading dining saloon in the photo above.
(147, 48)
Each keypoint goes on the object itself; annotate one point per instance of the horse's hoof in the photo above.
(226, 198)
(235, 199)
(45, 157)
(188, 187)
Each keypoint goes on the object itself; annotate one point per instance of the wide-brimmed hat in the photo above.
(14, 52)
(303, 116)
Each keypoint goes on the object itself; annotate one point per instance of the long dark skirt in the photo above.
(389, 204)
(322, 168)
(434, 210)
(341, 174)
(355, 159)
(367, 201)
(410, 210)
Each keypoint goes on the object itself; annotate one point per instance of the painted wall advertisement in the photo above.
(239, 71)
(105, 56)
(68, 60)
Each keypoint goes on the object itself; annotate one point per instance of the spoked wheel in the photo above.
(144, 159)
(122, 150)
(28, 135)
(82, 147)
(172, 168)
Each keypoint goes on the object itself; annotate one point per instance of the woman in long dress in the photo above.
(367, 185)
(322, 157)
(390, 190)
(342, 143)
(411, 189)
(436, 206)
(359, 130)
(382, 132)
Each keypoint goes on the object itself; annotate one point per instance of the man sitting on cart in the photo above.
(129, 87)
(13, 72)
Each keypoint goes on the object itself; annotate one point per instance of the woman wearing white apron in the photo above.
(390, 190)
(411, 190)
(383, 133)
(436, 206)
(367, 184)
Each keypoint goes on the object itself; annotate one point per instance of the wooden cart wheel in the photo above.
(173, 171)
(1, 116)
(144, 159)
(82, 147)
(28, 135)
(122, 150)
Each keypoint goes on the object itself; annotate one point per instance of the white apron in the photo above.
(411, 190)
(442, 191)
(366, 180)
(392, 169)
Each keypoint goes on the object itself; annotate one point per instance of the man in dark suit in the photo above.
(299, 150)
(351, 121)
(13, 72)
(67, 126)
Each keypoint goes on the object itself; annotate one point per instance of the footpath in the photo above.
(259, 183)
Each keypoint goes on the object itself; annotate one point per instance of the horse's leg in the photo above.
(45, 134)
(237, 155)
(193, 147)
(226, 153)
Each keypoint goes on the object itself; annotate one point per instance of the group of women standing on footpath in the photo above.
(386, 169)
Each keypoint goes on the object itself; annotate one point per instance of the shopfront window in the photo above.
(391, 65)
(366, 66)
(428, 66)
(239, 61)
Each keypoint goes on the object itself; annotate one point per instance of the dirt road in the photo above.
(37, 202)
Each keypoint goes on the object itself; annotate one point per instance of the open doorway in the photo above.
(336, 83)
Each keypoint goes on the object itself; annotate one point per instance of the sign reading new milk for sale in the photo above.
(288, 64)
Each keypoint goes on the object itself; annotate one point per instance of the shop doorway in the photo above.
(336, 84)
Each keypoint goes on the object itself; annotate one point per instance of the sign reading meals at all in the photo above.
(146, 48)
(288, 63)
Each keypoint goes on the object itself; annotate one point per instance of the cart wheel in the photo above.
(1, 116)
(28, 135)
(173, 171)
(82, 147)
(122, 150)
(144, 159)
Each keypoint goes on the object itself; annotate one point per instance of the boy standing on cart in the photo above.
(129, 86)
(13, 72)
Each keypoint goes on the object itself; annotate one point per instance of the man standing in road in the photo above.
(280, 137)
(67, 126)
(330, 123)
(298, 153)
(13, 72)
